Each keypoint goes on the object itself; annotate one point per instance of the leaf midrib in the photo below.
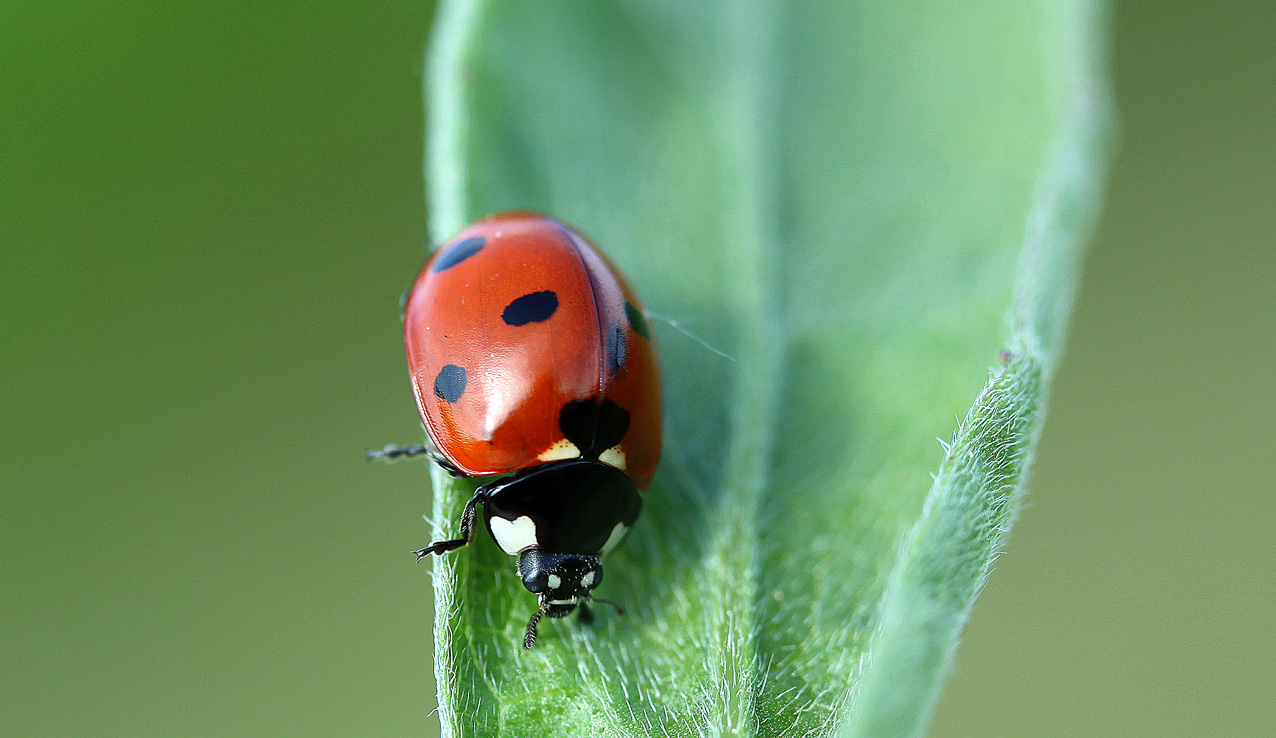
(749, 103)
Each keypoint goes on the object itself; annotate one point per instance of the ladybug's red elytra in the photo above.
(532, 361)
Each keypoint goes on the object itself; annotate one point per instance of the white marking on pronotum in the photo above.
(572, 601)
(554, 581)
(613, 456)
(513, 536)
(587, 580)
(617, 535)
(564, 449)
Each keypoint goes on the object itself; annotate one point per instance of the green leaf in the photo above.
(862, 204)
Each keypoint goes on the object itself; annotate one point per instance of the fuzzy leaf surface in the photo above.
(862, 204)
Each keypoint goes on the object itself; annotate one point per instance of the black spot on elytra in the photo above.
(593, 426)
(450, 383)
(457, 253)
(532, 308)
(637, 321)
(617, 349)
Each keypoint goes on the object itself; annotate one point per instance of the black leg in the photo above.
(586, 615)
(394, 452)
(619, 610)
(467, 529)
(445, 465)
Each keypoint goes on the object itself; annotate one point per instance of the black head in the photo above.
(560, 581)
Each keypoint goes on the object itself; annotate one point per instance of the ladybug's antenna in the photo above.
(530, 639)
(678, 327)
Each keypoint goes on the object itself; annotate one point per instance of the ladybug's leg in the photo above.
(445, 465)
(467, 528)
(619, 609)
(586, 615)
(393, 452)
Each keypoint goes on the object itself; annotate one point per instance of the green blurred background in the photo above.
(207, 214)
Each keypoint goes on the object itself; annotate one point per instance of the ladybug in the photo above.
(532, 364)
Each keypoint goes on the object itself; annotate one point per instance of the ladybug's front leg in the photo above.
(467, 528)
